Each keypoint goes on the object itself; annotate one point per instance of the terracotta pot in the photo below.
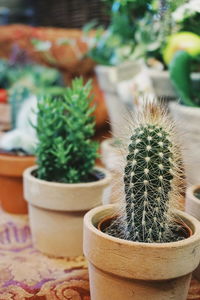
(140, 271)
(112, 158)
(11, 183)
(56, 211)
(109, 79)
(187, 122)
(163, 86)
(192, 206)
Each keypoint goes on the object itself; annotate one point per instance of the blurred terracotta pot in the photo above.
(132, 270)
(56, 211)
(11, 183)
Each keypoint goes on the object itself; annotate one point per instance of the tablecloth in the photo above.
(25, 273)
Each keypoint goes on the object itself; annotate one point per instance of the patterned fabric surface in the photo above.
(27, 274)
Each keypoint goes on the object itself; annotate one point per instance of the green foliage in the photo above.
(65, 152)
(27, 75)
(180, 74)
(115, 44)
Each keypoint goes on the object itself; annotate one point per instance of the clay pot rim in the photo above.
(17, 158)
(190, 192)
(186, 109)
(101, 182)
(164, 74)
(88, 220)
(99, 68)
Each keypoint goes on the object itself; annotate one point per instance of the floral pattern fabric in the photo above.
(25, 273)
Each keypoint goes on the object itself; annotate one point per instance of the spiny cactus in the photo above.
(151, 173)
(152, 180)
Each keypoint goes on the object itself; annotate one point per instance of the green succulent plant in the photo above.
(65, 127)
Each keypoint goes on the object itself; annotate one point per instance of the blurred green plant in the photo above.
(65, 126)
(115, 44)
(180, 73)
(161, 20)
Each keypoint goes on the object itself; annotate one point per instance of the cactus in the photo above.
(152, 178)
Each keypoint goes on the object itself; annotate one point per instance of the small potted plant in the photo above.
(151, 248)
(186, 112)
(65, 183)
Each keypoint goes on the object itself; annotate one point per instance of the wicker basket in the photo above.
(69, 13)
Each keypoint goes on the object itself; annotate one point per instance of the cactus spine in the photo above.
(151, 179)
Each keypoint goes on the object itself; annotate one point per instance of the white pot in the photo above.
(56, 211)
(112, 157)
(163, 86)
(121, 269)
(109, 79)
(192, 206)
(187, 120)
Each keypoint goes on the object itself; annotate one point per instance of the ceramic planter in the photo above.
(163, 86)
(56, 211)
(192, 206)
(141, 271)
(112, 158)
(187, 122)
(11, 183)
(109, 79)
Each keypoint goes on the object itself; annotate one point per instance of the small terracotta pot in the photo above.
(112, 158)
(192, 206)
(56, 211)
(133, 270)
(11, 183)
